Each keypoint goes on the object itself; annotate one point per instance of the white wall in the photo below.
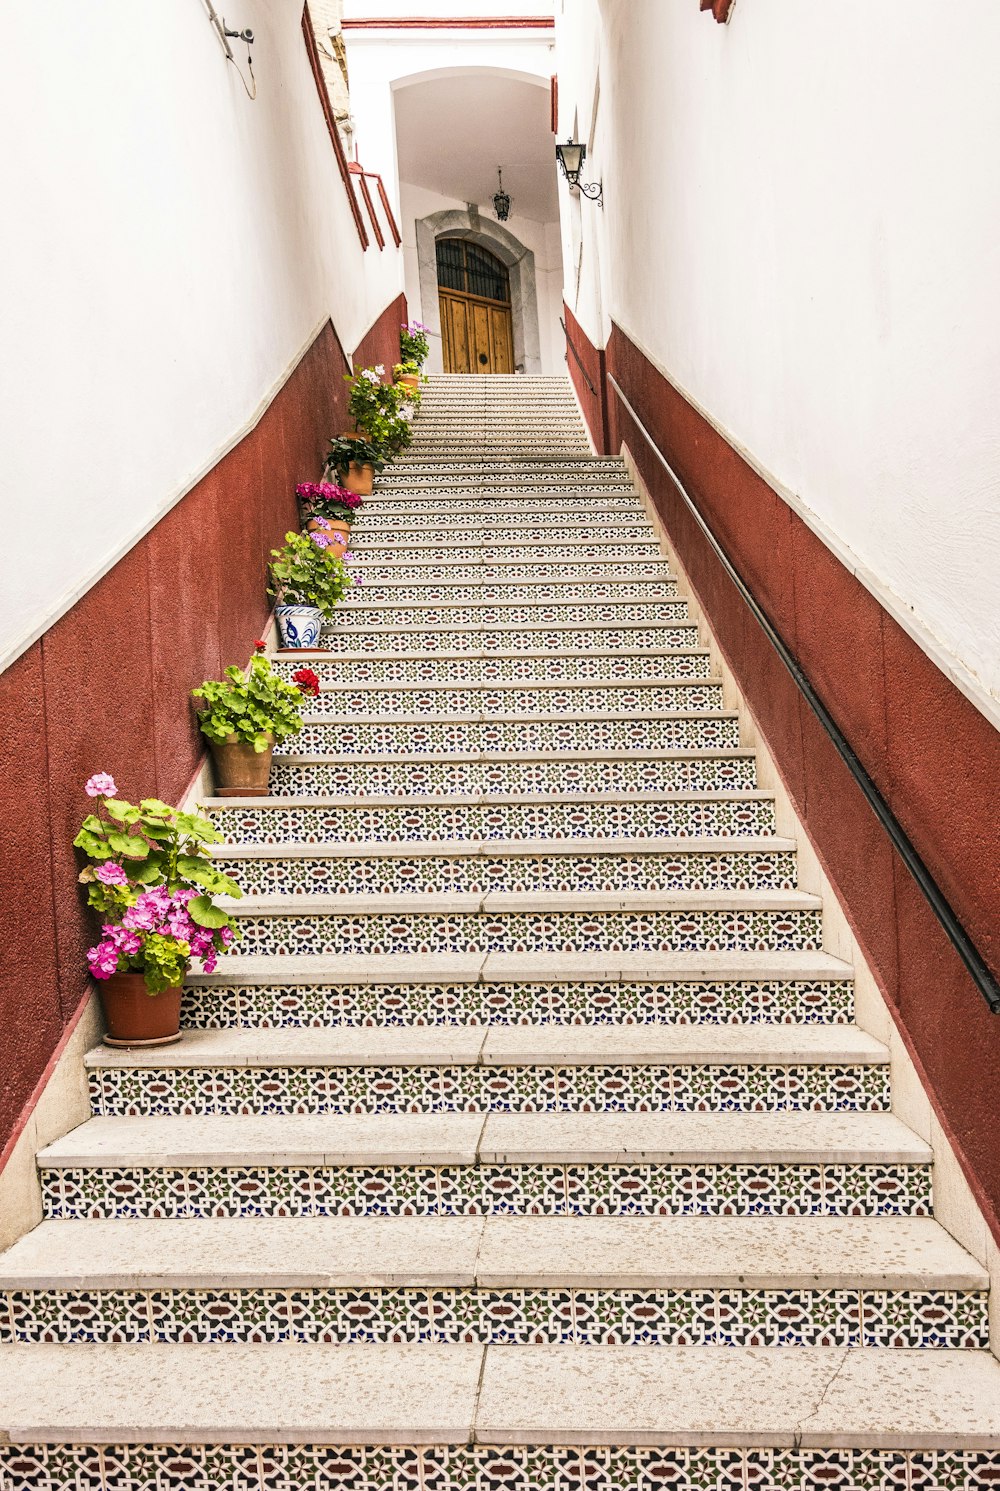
(802, 229)
(170, 249)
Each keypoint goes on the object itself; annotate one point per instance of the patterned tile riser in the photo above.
(655, 931)
(498, 556)
(342, 737)
(491, 1190)
(571, 502)
(295, 1467)
(175, 1092)
(527, 820)
(404, 778)
(453, 670)
(538, 522)
(347, 698)
(251, 1006)
(503, 577)
(481, 874)
(503, 640)
(391, 592)
(938, 1320)
(362, 614)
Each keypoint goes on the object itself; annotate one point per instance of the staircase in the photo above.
(528, 1141)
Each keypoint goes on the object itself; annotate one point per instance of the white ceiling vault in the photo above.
(453, 130)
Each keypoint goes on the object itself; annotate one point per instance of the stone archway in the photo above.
(520, 263)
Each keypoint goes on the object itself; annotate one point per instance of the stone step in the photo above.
(414, 1415)
(523, 866)
(516, 774)
(513, 698)
(554, 1164)
(363, 612)
(531, 733)
(460, 668)
(632, 925)
(896, 1282)
(526, 637)
(483, 816)
(523, 1069)
(293, 990)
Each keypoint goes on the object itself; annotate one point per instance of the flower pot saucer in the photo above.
(242, 792)
(288, 651)
(159, 1040)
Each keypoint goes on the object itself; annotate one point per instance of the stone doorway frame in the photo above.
(520, 264)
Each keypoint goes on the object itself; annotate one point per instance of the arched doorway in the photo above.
(516, 258)
(477, 333)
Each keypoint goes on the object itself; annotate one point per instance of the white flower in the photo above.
(371, 375)
(380, 368)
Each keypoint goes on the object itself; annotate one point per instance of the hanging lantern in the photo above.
(501, 201)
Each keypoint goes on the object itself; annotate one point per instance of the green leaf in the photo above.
(129, 845)
(202, 911)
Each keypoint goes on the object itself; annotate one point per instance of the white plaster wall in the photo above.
(802, 229)
(170, 249)
(541, 238)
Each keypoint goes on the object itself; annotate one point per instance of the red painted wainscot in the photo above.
(106, 689)
(933, 756)
(380, 344)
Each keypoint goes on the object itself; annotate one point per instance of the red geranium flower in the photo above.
(307, 681)
(260, 645)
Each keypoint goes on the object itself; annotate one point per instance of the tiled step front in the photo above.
(532, 865)
(458, 668)
(508, 698)
(502, 637)
(390, 820)
(341, 989)
(406, 553)
(516, 573)
(522, 1069)
(513, 774)
(557, 590)
(624, 923)
(606, 1164)
(362, 614)
(884, 1282)
(531, 733)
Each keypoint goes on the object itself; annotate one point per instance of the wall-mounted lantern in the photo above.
(571, 157)
(501, 200)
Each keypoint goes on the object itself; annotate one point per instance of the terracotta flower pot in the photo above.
(360, 477)
(240, 771)
(137, 1018)
(337, 531)
(409, 380)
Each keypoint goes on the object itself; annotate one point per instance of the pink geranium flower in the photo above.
(110, 874)
(101, 784)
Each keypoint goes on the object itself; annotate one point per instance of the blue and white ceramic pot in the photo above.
(299, 626)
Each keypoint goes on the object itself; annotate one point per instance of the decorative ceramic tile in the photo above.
(220, 1006)
(473, 822)
(663, 931)
(297, 1467)
(453, 671)
(482, 873)
(541, 733)
(577, 1190)
(362, 614)
(438, 636)
(613, 696)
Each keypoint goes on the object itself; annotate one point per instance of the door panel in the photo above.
(476, 334)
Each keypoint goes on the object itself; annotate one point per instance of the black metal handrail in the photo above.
(579, 363)
(979, 971)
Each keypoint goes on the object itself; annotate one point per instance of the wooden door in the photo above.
(477, 334)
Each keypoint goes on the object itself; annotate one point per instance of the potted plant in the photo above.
(331, 509)
(414, 344)
(245, 714)
(152, 881)
(354, 460)
(380, 411)
(407, 376)
(307, 585)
